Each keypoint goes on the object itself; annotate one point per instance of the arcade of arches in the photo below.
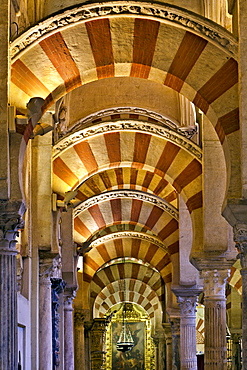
(123, 184)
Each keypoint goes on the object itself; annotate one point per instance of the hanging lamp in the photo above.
(125, 342)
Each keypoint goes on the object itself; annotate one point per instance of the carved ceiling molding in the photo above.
(128, 125)
(121, 194)
(126, 110)
(163, 13)
(128, 234)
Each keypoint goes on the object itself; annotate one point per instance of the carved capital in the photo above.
(187, 305)
(240, 238)
(215, 283)
(69, 296)
(79, 318)
(10, 223)
(175, 325)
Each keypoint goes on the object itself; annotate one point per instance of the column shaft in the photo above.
(68, 335)
(175, 329)
(8, 309)
(215, 319)
(79, 341)
(45, 324)
(187, 299)
(244, 316)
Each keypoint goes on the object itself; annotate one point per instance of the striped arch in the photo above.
(127, 178)
(80, 156)
(134, 272)
(156, 151)
(133, 247)
(136, 292)
(148, 213)
(145, 44)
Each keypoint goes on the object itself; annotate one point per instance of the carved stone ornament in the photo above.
(163, 13)
(144, 113)
(215, 283)
(187, 305)
(48, 268)
(79, 318)
(240, 238)
(116, 194)
(9, 226)
(128, 125)
(128, 234)
(175, 325)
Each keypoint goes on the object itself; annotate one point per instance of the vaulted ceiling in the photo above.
(129, 170)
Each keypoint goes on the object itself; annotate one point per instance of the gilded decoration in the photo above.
(142, 355)
(162, 12)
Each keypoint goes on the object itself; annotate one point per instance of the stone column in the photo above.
(175, 329)
(45, 316)
(9, 224)
(159, 342)
(236, 351)
(68, 332)
(57, 286)
(168, 338)
(187, 299)
(98, 332)
(215, 319)
(79, 340)
(240, 237)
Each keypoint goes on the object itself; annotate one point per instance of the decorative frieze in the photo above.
(122, 194)
(128, 234)
(163, 13)
(127, 125)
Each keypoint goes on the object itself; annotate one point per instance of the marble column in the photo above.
(187, 299)
(168, 338)
(79, 318)
(98, 332)
(215, 319)
(175, 330)
(45, 316)
(236, 351)
(68, 332)
(9, 225)
(240, 237)
(57, 287)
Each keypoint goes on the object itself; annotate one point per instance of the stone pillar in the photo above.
(168, 338)
(79, 340)
(57, 286)
(236, 351)
(68, 332)
(187, 299)
(98, 332)
(9, 224)
(45, 316)
(215, 319)
(175, 329)
(240, 237)
(159, 342)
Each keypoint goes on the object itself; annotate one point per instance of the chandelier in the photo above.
(125, 342)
